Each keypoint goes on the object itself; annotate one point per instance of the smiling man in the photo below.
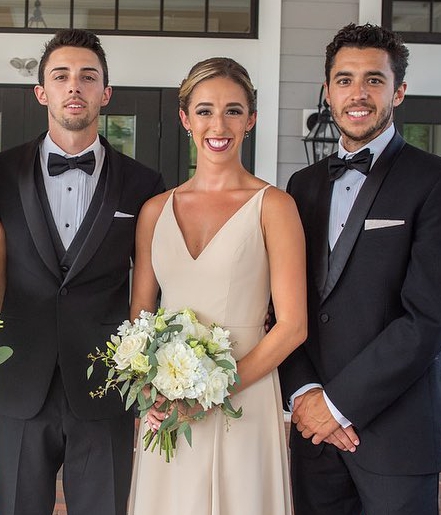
(365, 387)
(68, 205)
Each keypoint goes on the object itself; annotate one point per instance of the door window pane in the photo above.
(136, 15)
(424, 136)
(411, 16)
(94, 15)
(120, 132)
(230, 16)
(12, 13)
(49, 14)
(184, 17)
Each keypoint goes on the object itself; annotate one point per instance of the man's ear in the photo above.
(107, 93)
(399, 94)
(326, 93)
(40, 94)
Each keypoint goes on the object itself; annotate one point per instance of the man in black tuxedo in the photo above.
(68, 205)
(365, 388)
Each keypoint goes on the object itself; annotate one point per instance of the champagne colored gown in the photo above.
(243, 469)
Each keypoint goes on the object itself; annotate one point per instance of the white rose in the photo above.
(217, 388)
(130, 346)
(140, 363)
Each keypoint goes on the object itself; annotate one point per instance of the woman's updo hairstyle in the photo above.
(216, 67)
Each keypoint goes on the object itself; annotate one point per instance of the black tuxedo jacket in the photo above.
(374, 305)
(57, 312)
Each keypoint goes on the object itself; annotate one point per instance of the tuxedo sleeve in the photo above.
(295, 372)
(407, 347)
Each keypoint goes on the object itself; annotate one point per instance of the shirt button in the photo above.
(64, 292)
(348, 188)
(64, 268)
(324, 317)
(342, 225)
(67, 225)
(69, 189)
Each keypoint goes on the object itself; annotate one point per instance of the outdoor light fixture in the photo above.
(24, 66)
(323, 133)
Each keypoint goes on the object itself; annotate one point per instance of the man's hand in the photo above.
(312, 418)
(345, 439)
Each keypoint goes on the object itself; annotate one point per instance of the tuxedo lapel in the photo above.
(346, 241)
(319, 246)
(33, 210)
(104, 218)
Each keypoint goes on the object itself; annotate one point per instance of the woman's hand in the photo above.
(155, 415)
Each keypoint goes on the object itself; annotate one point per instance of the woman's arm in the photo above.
(285, 245)
(144, 285)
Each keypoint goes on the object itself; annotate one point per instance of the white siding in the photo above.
(307, 27)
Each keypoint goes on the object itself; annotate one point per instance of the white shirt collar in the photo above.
(376, 146)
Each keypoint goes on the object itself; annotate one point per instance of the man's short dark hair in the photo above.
(77, 38)
(370, 36)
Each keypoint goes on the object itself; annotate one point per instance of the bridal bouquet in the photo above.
(176, 356)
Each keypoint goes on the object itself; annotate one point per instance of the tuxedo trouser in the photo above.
(331, 483)
(96, 456)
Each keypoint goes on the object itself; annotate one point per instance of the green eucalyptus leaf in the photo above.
(89, 370)
(5, 353)
(224, 363)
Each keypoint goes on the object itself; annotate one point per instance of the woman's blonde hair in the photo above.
(217, 67)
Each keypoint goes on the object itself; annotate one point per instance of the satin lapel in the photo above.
(319, 230)
(33, 210)
(105, 214)
(345, 243)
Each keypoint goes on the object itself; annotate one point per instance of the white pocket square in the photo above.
(118, 214)
(380, 223)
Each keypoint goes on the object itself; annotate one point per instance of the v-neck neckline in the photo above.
(218, 232)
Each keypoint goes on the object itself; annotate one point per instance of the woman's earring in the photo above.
(189, 133)
(247, 134)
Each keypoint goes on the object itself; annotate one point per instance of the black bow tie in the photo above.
(361, 162)
(57, 164)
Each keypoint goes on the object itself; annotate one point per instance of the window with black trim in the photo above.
(416, 21)
(418, 120)
(203, 18)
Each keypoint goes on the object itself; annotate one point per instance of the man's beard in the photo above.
(371, 132)
(74, 123)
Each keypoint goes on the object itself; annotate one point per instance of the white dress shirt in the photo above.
(344, 193)
(71, 192)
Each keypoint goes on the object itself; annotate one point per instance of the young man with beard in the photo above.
(68, 205)
(366, 385)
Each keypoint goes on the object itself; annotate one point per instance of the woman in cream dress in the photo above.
(221, 244)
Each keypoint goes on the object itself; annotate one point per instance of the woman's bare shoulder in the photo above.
(153, 207)
(278, 199)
